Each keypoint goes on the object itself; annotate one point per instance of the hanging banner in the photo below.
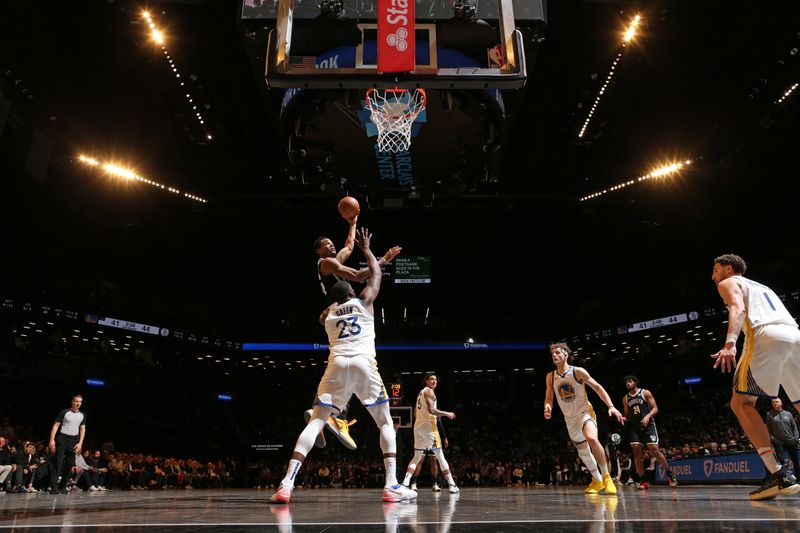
(396, 35)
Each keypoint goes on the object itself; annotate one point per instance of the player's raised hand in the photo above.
(393, 252)
(725, 359)
(363, 237)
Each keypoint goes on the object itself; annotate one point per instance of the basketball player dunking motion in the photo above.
(350, 324)
(426, 433)
(771, 358)
(330, 269)
(640, 408)
(570, 383)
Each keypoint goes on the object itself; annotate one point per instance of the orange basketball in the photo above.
(348, 207)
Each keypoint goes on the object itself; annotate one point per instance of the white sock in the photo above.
(604, 469)
(407, 479)
(450, 479)
(291, 472)
(390, 464)
(770, 459)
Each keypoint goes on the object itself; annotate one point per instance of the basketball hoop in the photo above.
(393, 111)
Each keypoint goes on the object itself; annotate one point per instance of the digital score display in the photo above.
(412, 269)
(395, 391)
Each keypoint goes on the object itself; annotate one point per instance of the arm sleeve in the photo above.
(440, 427)
(83, 420)
(60, 417)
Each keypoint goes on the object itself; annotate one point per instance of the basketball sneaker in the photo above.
(595, 487)
(341, 428)
(435, 487)
(414, 487)
(283, 495)
(671, 477)
(608, 484)
(320, 442)
(643, 485)
(781, 482)
(454, 489)
(398, 493)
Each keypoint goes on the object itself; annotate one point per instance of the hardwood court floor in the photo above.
(551, 509)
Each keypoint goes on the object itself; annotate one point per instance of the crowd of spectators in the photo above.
(26, 466)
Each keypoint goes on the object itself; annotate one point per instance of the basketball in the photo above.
(348, 207)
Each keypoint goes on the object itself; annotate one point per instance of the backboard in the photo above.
(295, 45)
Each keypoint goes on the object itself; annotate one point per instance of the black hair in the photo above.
(318, 241)
(738, 264)
(632, 378)
(341, 292)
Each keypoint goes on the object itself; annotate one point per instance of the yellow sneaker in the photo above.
(608, 484)
(595, 487)
(341, 428)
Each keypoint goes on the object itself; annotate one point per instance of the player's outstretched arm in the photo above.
(370, 292)
(347, 249)
(548, 397)
(583, 375)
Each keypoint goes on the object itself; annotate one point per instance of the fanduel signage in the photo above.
(396, 35)
(734, 467)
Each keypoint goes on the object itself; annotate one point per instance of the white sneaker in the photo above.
(398, 493)
(436, 488)
(454, 489)
(102, 487)
(93, 488)
(414, 487)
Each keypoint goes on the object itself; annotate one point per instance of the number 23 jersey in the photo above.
(350, 329)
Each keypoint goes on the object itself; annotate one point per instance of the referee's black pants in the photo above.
(63, 461)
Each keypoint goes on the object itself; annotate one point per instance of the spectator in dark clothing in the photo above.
(27, 464)
(7, 465)
(783, 432)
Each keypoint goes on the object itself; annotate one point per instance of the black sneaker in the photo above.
(781, 482)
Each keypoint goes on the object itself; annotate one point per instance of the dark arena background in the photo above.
(166, 166)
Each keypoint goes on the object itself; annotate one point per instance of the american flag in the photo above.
(303, 61)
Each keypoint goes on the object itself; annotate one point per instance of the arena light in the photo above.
(115, 170)
(653, 174)
(631, 31)
(158, 36)
(787, 93)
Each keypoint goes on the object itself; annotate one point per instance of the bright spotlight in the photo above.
(158, 37)
(629, 34)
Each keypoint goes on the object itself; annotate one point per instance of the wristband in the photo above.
(731, 338)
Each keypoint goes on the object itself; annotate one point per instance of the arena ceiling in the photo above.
(699, 83)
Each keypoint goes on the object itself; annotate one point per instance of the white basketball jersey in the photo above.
(423, 418)
(350, 329)
(570, 393)
(762, 305)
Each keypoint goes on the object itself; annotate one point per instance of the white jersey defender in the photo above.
(351, 363)
(572, 399)
(771, 353)
(351, 330)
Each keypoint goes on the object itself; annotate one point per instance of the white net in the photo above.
(393, 111)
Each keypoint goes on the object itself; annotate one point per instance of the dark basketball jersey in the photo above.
(638, 407)
(326, 281)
